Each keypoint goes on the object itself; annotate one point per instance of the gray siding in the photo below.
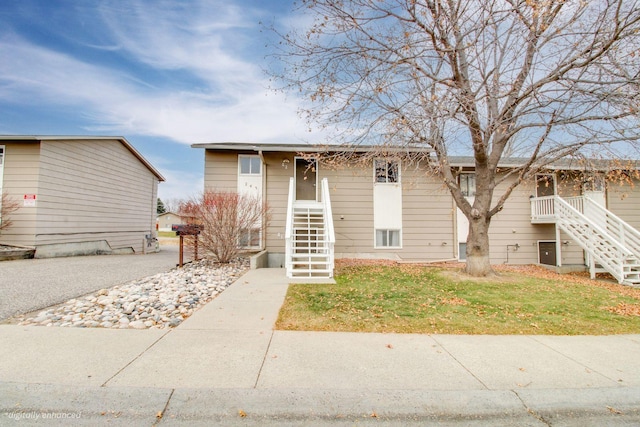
(94, 191)
(21, 169)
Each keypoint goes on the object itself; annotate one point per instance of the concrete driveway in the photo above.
(33, 284)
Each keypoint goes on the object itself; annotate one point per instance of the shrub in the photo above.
(228, 221)
(8, 205)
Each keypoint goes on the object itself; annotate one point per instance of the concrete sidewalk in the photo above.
(226, 365)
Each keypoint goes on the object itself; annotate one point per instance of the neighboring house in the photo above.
(78, 195)
(389, 207)
(167, 219)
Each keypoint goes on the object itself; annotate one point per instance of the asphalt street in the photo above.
(33, 284)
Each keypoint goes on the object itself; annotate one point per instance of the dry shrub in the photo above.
(8, 205)
(225, 219)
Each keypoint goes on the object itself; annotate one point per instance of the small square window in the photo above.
(386, 171)
(387, 238)
(250, 165)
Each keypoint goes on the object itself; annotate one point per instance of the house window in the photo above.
(387, 238)
(462, 251)
(386, 171)
(250, 165)
(468, 184)
(545, 185)
(591, 183)
(250, 238)
(1, 155)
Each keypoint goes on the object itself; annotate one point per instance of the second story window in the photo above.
(468, 184)
(250, 165)
(386, 171)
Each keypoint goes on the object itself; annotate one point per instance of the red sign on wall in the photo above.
(29, 200)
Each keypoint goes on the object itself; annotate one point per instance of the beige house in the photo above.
(78, 195)
(390, 208)
(166, 220)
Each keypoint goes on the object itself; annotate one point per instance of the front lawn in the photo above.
(166, 234)
(387, 297)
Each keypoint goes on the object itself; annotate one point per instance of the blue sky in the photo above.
(163, 74)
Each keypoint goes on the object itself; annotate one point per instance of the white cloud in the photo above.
(180, 185)
(206, 42)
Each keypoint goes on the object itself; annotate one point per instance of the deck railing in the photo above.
(288, 233)
(328, 222)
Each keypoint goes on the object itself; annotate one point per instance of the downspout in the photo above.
(263, 241)
(558, 246)
(454, 224)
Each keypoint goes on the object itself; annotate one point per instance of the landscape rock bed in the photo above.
(155, 302)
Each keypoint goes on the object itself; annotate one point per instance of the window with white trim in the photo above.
(388, 239)
(468, 184)
(250, 165)
(386, 171)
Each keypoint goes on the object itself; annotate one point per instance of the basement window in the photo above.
(250, 238)
(387, 238)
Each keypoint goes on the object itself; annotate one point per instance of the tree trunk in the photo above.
(478, 263)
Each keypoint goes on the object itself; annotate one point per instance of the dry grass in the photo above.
(385, 296)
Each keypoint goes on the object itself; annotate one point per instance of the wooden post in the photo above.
(181, 250)
(195, 244)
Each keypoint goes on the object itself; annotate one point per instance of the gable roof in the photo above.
(53, 138)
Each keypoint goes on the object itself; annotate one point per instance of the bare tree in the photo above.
(229, 221)
(173, 204)
(535, 79)
(8, 205)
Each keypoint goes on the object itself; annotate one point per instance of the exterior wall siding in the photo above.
(94, 191)
(513, 226)
(624, 201)
(221, 171)
(428, 212)
(276, 175)
(21, 171)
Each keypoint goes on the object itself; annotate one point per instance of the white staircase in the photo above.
(309, 237)
(612, 244)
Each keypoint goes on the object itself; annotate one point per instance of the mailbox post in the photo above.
(186, 230)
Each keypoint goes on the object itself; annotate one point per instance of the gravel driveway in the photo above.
(32, 284)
